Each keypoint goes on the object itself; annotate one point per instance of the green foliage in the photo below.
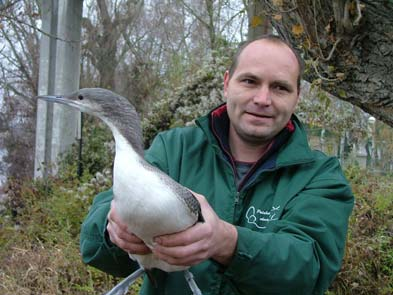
(39, 237)
(368, 264)
(318, 109)
(97, 151)
(199, 95)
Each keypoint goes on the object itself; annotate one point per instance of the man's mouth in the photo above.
(259, 115)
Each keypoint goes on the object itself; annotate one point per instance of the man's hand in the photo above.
(213, 238)
(120, 236)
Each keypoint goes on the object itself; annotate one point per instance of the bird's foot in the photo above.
(191, 282)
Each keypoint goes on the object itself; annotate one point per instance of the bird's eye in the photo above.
(80, 97)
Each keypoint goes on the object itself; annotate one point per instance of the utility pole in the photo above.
(57, 126)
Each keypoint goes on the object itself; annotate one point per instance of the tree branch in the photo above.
(20, 94)
(314, 64)
(195, 14)
(14, 19)
(20, 64)
(359, 11)
(275, 10)
(8, 5)
(231, 19)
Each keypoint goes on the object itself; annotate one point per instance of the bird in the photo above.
(146, 199)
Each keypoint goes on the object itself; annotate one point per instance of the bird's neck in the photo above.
(123, 146)
(126, 135)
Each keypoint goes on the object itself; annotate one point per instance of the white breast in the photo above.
(145, 203)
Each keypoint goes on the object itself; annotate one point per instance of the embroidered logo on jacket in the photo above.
(259, 218)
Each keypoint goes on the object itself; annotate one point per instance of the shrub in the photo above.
(368, 263)
(39, 237)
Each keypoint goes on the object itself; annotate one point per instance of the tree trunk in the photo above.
(347, 45)
(258, 21)
(102, 45)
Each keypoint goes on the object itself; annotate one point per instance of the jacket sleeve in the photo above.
(96, 248)
(304, 249)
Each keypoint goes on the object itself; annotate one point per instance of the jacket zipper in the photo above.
(237, 199)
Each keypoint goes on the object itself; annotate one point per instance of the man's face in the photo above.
(262, 93)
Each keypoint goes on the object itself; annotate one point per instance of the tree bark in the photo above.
(258, 21)
(347, 46)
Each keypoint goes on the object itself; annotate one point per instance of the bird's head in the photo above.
(96, 101)
(115, 110)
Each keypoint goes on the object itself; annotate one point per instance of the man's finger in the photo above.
(114, 228)
(187, 256)
(186, 237)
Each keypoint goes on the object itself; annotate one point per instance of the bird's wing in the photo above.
(182, 192)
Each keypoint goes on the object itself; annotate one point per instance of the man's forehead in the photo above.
(260, 45)
(259, 48)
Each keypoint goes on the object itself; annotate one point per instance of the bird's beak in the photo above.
(55, 98)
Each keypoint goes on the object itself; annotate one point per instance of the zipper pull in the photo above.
(237, 198)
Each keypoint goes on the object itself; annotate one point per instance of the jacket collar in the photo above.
(289, 147)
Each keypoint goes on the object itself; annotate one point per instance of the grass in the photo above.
(39, 241)
(368, 264)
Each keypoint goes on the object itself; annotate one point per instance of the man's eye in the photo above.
(248, 81)
(281, 88)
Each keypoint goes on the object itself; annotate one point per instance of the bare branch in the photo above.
(315, 66)
(195, 14)
(318, 41)
(8, 5)
(231, 19)
(359, 11)
(20, 94)
(275, 10)
(20, 64)
(14, 19)
(332, 50)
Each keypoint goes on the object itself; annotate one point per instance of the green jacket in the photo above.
(291, 215)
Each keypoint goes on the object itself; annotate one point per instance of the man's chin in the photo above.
(257, 136)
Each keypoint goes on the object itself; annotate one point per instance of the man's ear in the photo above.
(226, 81)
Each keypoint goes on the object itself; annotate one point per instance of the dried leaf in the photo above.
(278, 3)
(342, 93)
(317, 81)
(256, 21)
(340, 75)
(297, 29)
(277, 17)
(352, 8)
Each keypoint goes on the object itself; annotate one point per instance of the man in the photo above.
(276, 213)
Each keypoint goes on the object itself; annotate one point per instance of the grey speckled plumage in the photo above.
(184, 194)
(146, 199)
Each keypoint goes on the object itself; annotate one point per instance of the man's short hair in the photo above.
(273, 39)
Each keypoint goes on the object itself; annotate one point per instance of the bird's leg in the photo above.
(191, 282)
(122, 287)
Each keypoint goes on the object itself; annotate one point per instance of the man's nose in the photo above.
(263, 96)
